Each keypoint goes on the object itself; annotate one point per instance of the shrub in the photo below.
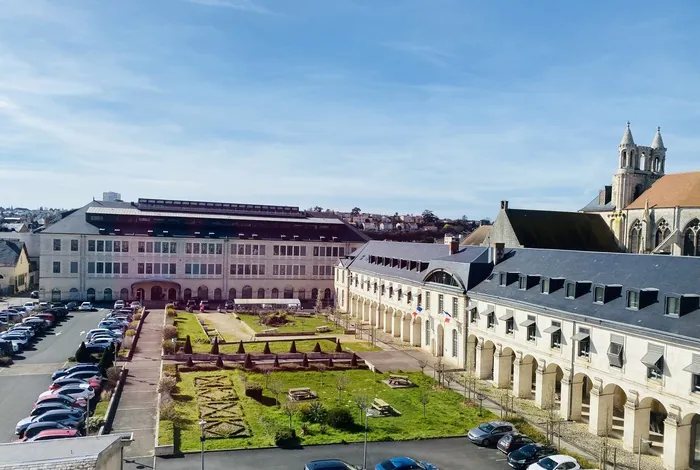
(5, 361)
(81, 355)
(170, 312)
(127, 342)
(188, 345)
(169, 332)
(113, 376)
(215, 346)
(285, 437)
(167, 408)
(167, 385)
(170, 306)
(317, 348)
(133, 325)
(219, 362)
(305, 361)
(340, 418)
(313, 412)
(241, 349)
(130, 333)
(106, 395)
(168, 347)
(293, 347)
(338, 347)
(266, 350)
(253, 390)
(137, 316)
(189, 362)
(94, 423)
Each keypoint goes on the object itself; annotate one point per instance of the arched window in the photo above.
(203, 292)
(327, 295)
(455, 343)
(232, 293)
(91, 295)
(261, 293)
(691, 239)
(187, 294)
(55, 295)
(217, 294)
(302, 294)
(314, 293)
(662, 232)
(172, 294)
(624, 158)
(247, 292)
(427, 331)
(657, 164)
(275, 293)
(637, 192)
(107, 295)
(74, 293)
(441, 277)
(288, 292)
(409, 297)
(635, 244)
(124, 294)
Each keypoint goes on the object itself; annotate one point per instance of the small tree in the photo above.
(439, 368)
(266, 350)
(424, 399)
(450, 377)
(81, 355)
(362, 402)
(107, 359)
(215, 346)
(338, 347)
(319, 301)
(342, 384)
(266, 372)
(188, 345)
(241, 349)
(293, 347)
(422, 364)
(317, 347)
(275, 386)
(355, 211)
(321, 369)
(289, 408)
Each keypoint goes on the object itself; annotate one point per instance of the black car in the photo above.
(42, 408)
(529, 454)
(72, 306)
(60, 311)
(34, 429)
(512, 442)
(228, 305)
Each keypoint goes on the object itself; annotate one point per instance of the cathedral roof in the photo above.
(477, 236)
(674, 190)
(627, 136)
(658, 142)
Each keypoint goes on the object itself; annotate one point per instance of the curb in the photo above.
(114, 403)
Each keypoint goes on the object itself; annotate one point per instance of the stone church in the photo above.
(647, 210)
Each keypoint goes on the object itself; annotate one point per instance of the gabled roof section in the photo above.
(561, 230)
(596, 206)
(477, 237)
(74, 222)
(673, 190)
(668, 274)
(10, 252)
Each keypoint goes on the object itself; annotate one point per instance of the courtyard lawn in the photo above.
(295, 325)
(187, 324)
(101, 408)
(446, 415)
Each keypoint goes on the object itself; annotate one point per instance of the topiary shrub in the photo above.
(190, 362)
(248, 364)
(353, 361)
(219, 362)
(338, 347)
(305, 361)
(267, 348)
(215, 346)
(286, 438)
(241, 349)
(317, 348)
(81, 355)
(188, 345)
(293, 347)
(276, 363)
(340, 418)
(330, 362)
(130, 333)
(170, 312)
(253, 390)
(169, 332)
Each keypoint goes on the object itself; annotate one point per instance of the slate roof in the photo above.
(668, 274)
(478, 236)
(596, 206)
(10, 251)
(673, 190)
(561, 230)
(75, 223)
(77, 453)
(460, 264)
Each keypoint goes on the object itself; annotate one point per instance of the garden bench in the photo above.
(303, 314)
(300, 393)
(323, 329)
(269, 330)
(399, 380)
(382, 406)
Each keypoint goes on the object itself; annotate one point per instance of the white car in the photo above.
(102, 331)
(118, 304)
(29, 306)
(86, 306)
(556, 462)
(76, 391)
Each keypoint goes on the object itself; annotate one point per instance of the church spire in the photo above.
(658, 142)
(627, 136)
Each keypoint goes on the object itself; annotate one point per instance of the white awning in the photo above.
(528, 322)
(580, 336)
(654, 356)
(508, 315)
(552, 329)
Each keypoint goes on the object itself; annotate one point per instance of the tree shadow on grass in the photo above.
(264, 400)
(183, 398)
(177, 440)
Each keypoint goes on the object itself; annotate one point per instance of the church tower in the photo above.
(638, 168)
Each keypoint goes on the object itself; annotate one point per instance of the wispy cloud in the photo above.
(247, 6)
(423, 52)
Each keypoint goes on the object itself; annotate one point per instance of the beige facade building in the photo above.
(610, 339)
(14, 267)
(163, 250)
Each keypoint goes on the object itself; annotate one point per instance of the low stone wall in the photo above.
(106, 428)
(132, 350)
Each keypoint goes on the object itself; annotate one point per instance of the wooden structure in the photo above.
(300, 394)
(323, 329)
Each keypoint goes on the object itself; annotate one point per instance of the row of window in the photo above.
(210, 269)
(248, 249)
(202, 248)
(289, 270)
(247, 270)
(105, 268)
(74, 244)
(109, 246)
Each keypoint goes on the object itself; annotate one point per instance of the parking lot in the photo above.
(30, 375)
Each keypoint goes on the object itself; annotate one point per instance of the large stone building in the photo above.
(163, 250)
(650, 211)
(611, 339)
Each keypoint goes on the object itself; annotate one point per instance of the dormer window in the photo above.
(502, 278)
(522, 282)
(673, 305)
(570, 290)
(599, 294)
(633, 299)
(544, 285)
(678, 305)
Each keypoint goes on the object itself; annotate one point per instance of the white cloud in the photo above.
(241, 5)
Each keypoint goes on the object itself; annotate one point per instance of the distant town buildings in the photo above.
(111, 196)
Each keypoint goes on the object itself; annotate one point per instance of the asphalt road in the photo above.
(30, 375)
(457, 453)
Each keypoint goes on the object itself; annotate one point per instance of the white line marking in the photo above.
(82, 333)
(58, 334)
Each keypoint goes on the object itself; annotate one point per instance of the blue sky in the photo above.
(389, 105)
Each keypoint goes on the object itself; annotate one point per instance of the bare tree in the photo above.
(450, 377)
(321, 368)
(341, 384)
(362, 402)
(439, 368)
(422, 364)
(424, 399)
(275, 386)
(289, 408)
(319, 301)
(267, 372)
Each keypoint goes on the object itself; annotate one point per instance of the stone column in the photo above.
(416, 327)
(406, 329)
(482, 370)
(396, 330)
(501, 370)
(601, 408)
(387, 321)
(565, 401)
(636, 423)
(542, 395)
(522, 379)
(676, 441)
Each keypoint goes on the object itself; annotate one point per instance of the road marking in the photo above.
(82, 333)
(58, 334)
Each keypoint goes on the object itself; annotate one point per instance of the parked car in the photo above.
(488, 434)
(76, 368)
(135, 304)
(112, 339)
(228, 305)
(102, 341)
(86, 307)
(68, 418)
(329, 464)
(522, 458)
(100, 331)
(48, 317)
(72, 402)
(204, 304)
(51, 434)
(60, 312)
(119, 304)
(85, 375)
(63, 381)
(404, 463)
(556, 462)
(17, 338)
(28, 329)
(42, 408)
(72, 306)
(512, 442)
(34, 294)
(7, 348)
(74, 390)
(35, 428)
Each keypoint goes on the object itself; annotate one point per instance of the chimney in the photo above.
(454, 246)
(496, 253)
(504, 205)
(601, 197)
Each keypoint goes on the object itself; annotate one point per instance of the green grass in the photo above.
(101, 408)
(446, 415)
(278, 347)
(187, 324)
(296, 325)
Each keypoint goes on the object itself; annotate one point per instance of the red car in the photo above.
(65, 399)
(58, 383)
(51, 434)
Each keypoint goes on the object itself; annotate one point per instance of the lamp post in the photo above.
(639, 456)
(202, 423)
(368, 413)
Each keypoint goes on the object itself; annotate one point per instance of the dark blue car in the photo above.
(404, 463)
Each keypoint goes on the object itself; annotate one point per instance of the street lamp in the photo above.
(202, 423)
(639, 456)
(368, 412)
